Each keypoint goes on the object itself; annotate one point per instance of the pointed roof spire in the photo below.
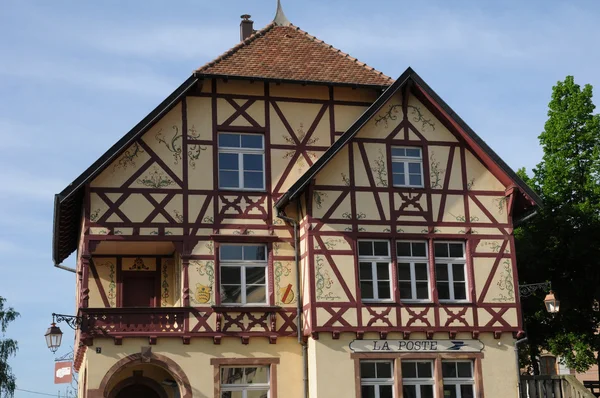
(280, 18)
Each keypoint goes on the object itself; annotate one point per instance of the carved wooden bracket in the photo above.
(186, 340)
(335, 334)
(406, 335)
(360, 334)
(383, 335)
(245, 340)
(118, 340)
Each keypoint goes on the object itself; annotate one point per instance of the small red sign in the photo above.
(63, 372)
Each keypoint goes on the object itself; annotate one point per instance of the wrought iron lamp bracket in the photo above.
(528, 290)
(72, 320)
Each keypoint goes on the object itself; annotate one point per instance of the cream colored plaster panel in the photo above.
(454, 211)
(256, 111)
(465, 320)
(385, 121)
(119, 171)
(427, 124)
(142, 264)
(240, 87)
(174, 231)
(376, 155)
(323, 316)
(411, 229)
(107, 273)
(327, 285)
(491, 246)
(285, 283)
(168, 289)
(346, 115)
(498, 366)
(482, 267)
(410, 320)
(390, 318)
(456, 180)
(496, 205)
(360, 173)
(201, 161)
(489, 231)
(199, 116)
(97, 207)
(298, 91)
(225, 110)
(336, 171)
(477, 214)
(202, 282)
(136, 208)
(502, 288)
(479, 177)
(373, 228)
(165, 139)
(175, 208)
(366, 206)
(438, 162)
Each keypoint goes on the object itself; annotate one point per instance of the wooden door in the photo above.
(139, 290)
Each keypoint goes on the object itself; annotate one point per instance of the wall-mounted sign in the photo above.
(416, 346)
(62, 372)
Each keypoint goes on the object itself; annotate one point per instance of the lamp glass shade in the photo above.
(53, 337)
(552, 304)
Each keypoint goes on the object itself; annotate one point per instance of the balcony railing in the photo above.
(563, 386)
(133, 321)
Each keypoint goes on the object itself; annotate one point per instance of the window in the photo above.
(417, 379)
(413, 270)
(458, 379)
(376, 379)
(241, 161)
(244, 382)
(374, 270)
(243, 274)
(407, 167)
(450, 271)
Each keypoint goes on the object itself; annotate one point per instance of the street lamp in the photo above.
(552, 304)
(54, 334)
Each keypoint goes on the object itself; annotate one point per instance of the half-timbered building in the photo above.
(291, 222)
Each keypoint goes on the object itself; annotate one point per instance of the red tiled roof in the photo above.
(289, 53)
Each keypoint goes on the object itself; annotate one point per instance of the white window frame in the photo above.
(242, 264)
(448, 262)
(244, 388)
(241, 152)
(419, 381)
(379, 381)
(413, 281)
(405, 160)
(374, 260)
(458, 381)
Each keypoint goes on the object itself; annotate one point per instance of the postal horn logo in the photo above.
(457, 345)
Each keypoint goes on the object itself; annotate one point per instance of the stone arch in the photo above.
(185, 388)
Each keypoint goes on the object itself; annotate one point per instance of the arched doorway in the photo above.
(137, 391)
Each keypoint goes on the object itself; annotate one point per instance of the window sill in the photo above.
(244, 238)
(236, 191)
(455, 302)
(246, 308)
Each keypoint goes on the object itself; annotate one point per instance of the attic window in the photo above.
(407, 167)
(241, 161)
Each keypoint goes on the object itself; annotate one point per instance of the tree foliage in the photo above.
(8, 348)
(562, 243)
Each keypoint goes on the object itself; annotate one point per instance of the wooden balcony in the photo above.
(134, 321)
(563, 386)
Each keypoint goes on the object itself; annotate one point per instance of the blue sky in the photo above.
(77, 75)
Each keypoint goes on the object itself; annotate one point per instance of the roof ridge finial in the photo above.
(280, 18)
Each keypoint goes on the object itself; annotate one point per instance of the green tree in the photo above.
(8, 348)
(562, 243)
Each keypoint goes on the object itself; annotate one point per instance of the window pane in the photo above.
(229, 179)
(229, 161)
(466, 391)
(367, 370)
(366, 271)
(421, 271)
(231, 294)
(384, 370)
(255, 275)
(253, 179)
(414, 168)
(403, 249)
(367, 392)
(443, 290)
(409, 370)
(398, 152)
(383, 288)
(405, 290)
(255, 252)
(441, 272)
(456, 250)
(449, 369)
(450, 391)
(385, 392)
(464, 369)
(427, 391)
(253, 162)
(381, 248)
(458, 272)
(424, 369)
(257, 393)
(257, 375)
(229, 140)
(398, 167)
(413, 152)
(256, 294)
(383, 271)
(231, 252)
(365, 248)
(366, 290)
(415, 179)
(399, 180)
(231, 275)
(409, 391)
(231, 375)
(231, 394)
(418, 249)
(254, 141)
(422, 290)
(441, 250)
(460, 291)
(404, 271)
